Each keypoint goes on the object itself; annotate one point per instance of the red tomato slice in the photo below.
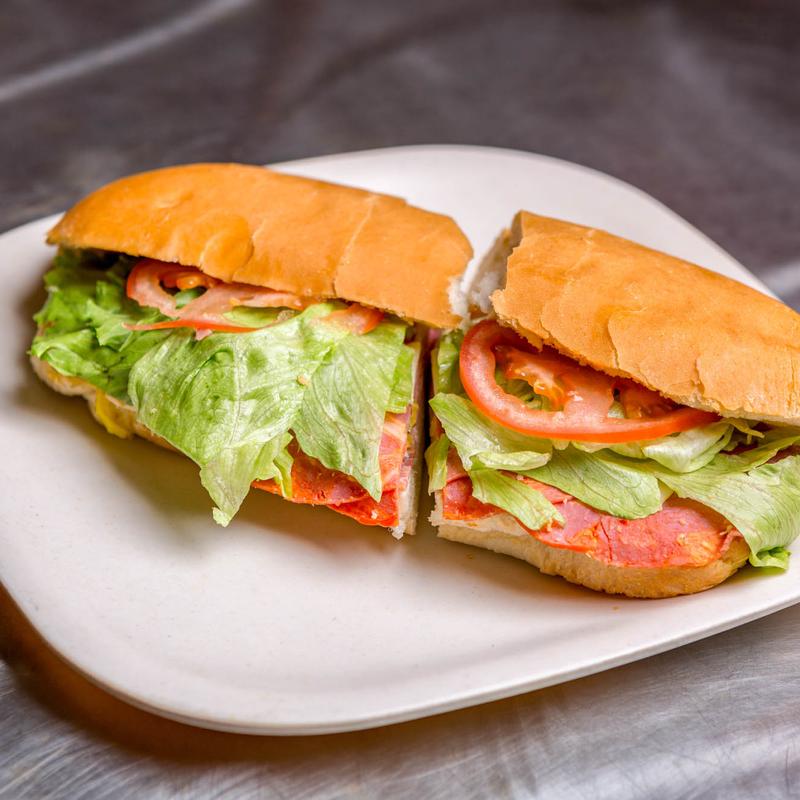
(581, 396)
(148, 278)
(356, 318)
(207, 327)
(144, 284)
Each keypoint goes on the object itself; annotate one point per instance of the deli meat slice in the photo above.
(682, 534)
(315, 484)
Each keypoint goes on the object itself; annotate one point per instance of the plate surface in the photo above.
(296, 620)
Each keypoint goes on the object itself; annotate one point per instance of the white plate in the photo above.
(296, 620)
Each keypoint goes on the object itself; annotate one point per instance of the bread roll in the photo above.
(253, 225)
(693, 335)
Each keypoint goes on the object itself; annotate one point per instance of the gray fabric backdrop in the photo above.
(697, 103)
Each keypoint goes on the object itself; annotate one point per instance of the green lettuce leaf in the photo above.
(480, 442)
(81, 324)
(524, 502)
(682, 452)
(604, 481)
(340, 421)
(762, 503)
(436, 461)
(776, 557)
(403, 389)
(231, 401)
(770, 444)
(256, 317)
(445, 363)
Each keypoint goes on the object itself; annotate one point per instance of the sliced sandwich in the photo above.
(617, 416)
(270, 327)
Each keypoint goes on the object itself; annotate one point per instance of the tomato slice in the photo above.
(356, 318)
(207, 327)
(580, 396)
(148, 278)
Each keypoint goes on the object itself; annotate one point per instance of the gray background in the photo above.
(697, 103)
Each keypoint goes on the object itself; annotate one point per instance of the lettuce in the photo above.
(445, 363)
(771, 443)
(683, 452)
(762, 503)
(403, 389)
(231, 402)
(436, 461)
(81, 326)
(254, 317)
(480, 442)
(631, 480)
(340, 420)
(604, 481)
(516, 497)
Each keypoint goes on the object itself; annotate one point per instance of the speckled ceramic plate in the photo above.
(296, 620)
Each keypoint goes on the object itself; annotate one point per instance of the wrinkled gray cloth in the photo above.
(696, 103)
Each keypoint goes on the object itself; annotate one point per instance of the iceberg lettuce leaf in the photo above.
(761, 503)
(340, 420)
(403, 388)
(515, 496)
(232, 401)
(482, 442)
(81, 331)
(436, 461)
(446, 364)
(603, 481)
(683, 452)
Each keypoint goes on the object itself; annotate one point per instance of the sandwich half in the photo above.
(617, 416)
(270, 327)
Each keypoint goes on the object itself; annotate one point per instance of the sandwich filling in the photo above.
(602, 465)
(311, 400)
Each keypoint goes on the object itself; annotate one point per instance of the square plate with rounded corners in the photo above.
(296, 620)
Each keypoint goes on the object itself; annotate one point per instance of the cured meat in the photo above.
(315, 484)
(682, 533)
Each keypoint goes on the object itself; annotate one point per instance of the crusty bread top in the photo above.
(253, 225)
(695, 336)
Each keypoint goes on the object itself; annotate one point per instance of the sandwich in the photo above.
(270, 327)
(616, 416)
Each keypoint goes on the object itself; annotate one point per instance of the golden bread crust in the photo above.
(693, 335)
(253, 225)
